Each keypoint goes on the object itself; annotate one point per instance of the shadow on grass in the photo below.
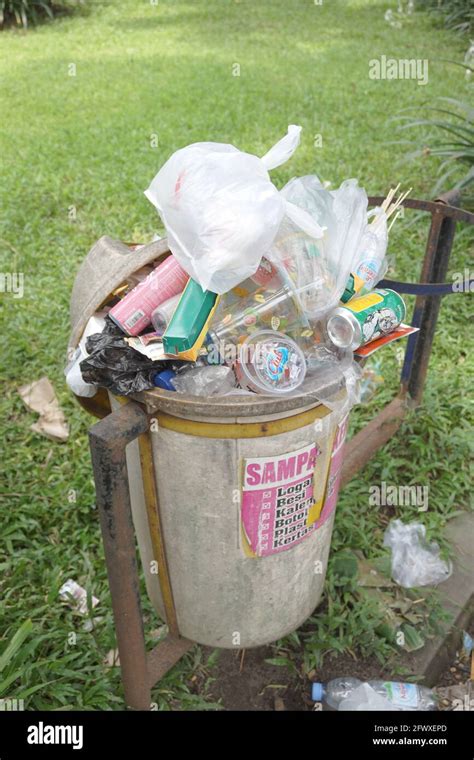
(38, 16)
(280, 19)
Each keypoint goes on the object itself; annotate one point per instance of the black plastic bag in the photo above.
(113, 364)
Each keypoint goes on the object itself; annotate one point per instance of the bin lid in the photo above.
(106, 266)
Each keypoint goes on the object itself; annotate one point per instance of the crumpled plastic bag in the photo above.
(221, 211)
(415, 562)
(318, 268)
(72, 370)
(113, 364)
(334, 382)
(365, 698)
(212, 380)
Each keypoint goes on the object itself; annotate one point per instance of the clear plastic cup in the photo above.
(263, 309)
(271, 363)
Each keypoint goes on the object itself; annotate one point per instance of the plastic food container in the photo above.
(270, 362)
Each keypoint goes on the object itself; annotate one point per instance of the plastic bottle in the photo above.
(161, 316)
(403, 696)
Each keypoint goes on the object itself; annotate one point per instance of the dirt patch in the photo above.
(245, 681)
(251, 683)
(345, 665)
(455, 689)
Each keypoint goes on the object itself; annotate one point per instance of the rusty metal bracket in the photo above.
(445, 212)
(108, 441)
(444, 215)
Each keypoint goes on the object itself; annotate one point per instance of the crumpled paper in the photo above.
(40, 397)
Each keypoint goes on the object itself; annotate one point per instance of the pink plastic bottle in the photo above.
(133, 313)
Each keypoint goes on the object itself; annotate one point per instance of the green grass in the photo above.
(84, 141)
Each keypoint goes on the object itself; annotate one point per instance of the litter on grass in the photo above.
(76, 597)
(40, 397)
(415, 562)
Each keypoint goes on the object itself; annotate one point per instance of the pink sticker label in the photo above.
(277, 498)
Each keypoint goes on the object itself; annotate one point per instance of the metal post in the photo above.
(425, 315)
(108, 439)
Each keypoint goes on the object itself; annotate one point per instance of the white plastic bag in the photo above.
(319, 268)
(415, 562)
(221, 211)
(72, 370)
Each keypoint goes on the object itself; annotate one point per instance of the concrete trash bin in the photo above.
(231, 501)
(247, 509)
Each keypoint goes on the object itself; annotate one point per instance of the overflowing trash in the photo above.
(221, 210)
(262, 292)
(366, 318)
(134, 312)
(415, 562)
(350, 693)
(72, 371)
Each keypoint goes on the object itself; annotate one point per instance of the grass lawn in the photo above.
(76, 154)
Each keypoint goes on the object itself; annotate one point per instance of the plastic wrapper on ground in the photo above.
(415, 562)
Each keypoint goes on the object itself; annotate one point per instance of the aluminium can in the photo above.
(366, 318)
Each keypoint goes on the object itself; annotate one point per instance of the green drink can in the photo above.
(366, 318)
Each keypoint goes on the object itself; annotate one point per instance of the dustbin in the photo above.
(232, 498)
(246, 515)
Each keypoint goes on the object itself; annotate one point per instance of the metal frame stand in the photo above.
(110, 436)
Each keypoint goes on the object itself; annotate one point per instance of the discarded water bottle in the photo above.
(403, 696)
